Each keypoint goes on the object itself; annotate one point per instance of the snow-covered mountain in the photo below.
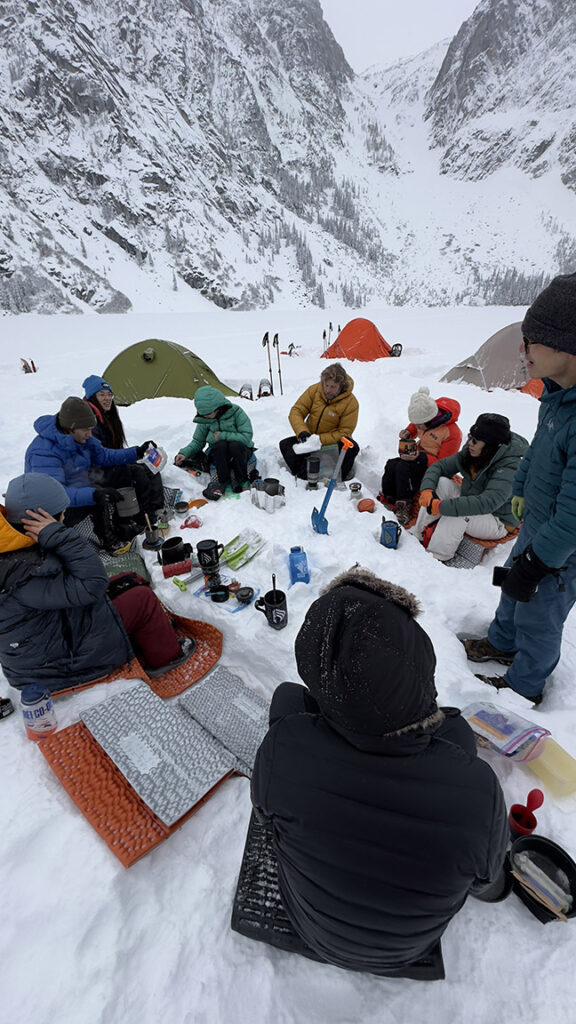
(164, 155)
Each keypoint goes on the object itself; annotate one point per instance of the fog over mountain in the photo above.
(154, 153)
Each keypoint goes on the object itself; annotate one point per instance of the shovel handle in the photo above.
(346, 443)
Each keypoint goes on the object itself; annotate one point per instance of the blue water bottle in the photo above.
(299, 571)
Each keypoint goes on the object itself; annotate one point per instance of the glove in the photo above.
(143, 448)
(102, 494)
(518, 507)
(425, 498)
(303, 436)
(521, 583)
(434, 507)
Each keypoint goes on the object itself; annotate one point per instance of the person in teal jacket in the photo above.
(481, 505)
(223, 437)
(540, 587)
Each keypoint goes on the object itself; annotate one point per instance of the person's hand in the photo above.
(425, 498)
(405, 434)
(518, 507)
(303, 436)
(217, 434)
(179, 459)
(141, 449)
(434, 507)
(409, 456)
(35, 522)
(521, 583)
(102, 494)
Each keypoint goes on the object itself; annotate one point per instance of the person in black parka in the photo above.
(384, 819)
(58, 626)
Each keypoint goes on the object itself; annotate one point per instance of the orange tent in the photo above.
(359, 339)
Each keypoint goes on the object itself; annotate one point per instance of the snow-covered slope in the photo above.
(160, 156)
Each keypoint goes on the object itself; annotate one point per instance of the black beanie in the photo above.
(363, 657)
(75, 413)
(492, 428)
(551, 319)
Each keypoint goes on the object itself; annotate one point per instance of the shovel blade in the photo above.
(319, 522)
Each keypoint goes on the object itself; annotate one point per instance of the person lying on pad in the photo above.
(383, 818)
(58, 626)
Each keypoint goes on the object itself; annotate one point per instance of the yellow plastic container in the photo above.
(555, 767)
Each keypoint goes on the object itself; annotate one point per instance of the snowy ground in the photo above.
(83, 939)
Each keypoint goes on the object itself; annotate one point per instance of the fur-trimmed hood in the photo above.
(365, 659)
(358, 576)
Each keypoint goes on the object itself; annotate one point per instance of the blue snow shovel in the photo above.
(319, 521)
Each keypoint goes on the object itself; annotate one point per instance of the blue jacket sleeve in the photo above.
(46, 460)
(102, 456)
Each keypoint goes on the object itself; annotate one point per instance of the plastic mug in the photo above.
(273, 604)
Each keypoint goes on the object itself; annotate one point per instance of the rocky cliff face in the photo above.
(155, 151)
(506, 91)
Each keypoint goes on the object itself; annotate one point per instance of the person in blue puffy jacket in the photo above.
(65, 450)
(540, 588)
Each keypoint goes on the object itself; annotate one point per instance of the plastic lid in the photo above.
(33, 692)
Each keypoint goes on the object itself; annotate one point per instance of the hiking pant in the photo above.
(230, 457)
(148, 486)
(297, 463)
(534, 628)
(149, 628)
(449, 531)
(402, 477)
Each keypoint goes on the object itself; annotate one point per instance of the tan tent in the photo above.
(154, 368)
(498, 363)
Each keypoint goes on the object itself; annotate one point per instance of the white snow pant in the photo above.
(450, 529)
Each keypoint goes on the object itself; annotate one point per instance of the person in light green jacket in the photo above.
(481, 505)
(223, 437)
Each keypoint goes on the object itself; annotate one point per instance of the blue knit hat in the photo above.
(93, 384)
(34, 491)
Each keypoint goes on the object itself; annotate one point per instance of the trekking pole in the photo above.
(324, 346)
(330, 329)
(266, 345)
(276, 345)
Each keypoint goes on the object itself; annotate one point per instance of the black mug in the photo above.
(273, 604)
(174, 550)
(209, 553)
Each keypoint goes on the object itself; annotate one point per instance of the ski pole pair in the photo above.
(276, 345)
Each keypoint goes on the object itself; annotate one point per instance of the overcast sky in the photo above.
(381, 31)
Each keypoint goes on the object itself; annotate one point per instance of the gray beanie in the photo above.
(75, 413)
(34, 491)
(422, 408)
(551, 319)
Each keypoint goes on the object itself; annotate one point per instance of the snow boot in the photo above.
(187, 646)
(403, 512)
(480, 649)
(500, 684)
(213, 492)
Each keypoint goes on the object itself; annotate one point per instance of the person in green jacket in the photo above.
(223, 438)
(481, 505)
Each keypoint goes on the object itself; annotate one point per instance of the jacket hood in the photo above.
(207, 399)
(11, 539)
(364, 658)
(451, 406)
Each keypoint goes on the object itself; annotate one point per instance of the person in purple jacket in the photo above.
(65, 450)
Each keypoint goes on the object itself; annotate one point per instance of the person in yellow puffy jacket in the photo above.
(327, 410)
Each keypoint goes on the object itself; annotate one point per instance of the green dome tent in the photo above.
(155, 368)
